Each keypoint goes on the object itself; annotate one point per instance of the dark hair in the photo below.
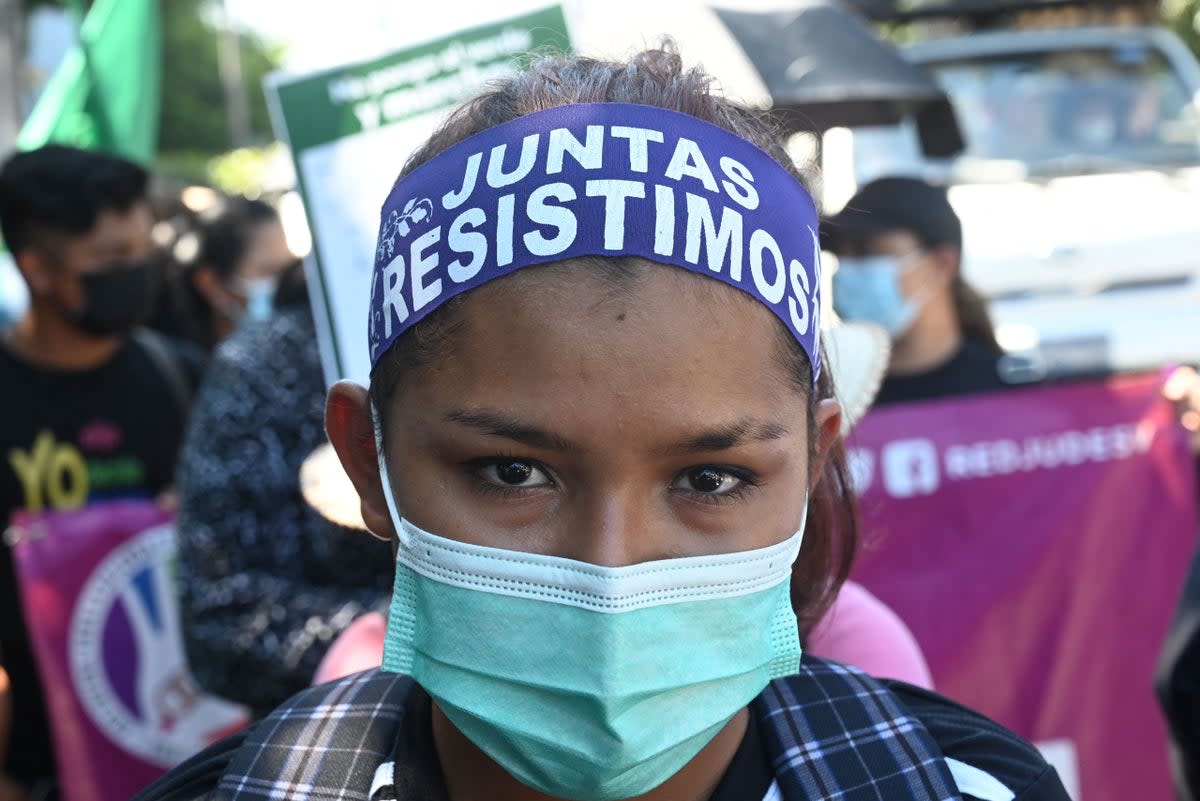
(293, 287)
(653, 78)
(222, 235)
(62, 190)
(225, 237)
(974, 319)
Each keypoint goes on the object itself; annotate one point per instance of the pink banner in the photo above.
(1036, 542)
(98, 590)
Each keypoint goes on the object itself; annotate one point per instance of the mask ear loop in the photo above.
(377, 428)
(803, 522)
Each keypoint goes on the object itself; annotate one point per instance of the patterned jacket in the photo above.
(266, 584)
(833, 733)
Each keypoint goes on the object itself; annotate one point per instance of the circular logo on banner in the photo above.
(127, 658)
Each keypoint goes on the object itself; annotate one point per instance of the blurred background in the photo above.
(1062, 112)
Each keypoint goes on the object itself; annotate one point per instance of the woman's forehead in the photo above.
(894, 240)
(641, 299)
(613, 280)
(640, 331)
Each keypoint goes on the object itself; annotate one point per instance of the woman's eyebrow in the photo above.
(723, 437)
(497, 424)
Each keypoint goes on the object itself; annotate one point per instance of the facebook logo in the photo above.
(910, 468)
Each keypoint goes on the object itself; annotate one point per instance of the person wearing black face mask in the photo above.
(114, 299)
(94, 406)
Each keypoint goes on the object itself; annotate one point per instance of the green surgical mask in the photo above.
(587, 682)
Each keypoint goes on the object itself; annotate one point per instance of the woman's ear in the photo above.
(210, 287)
(827, 419)
(351, 431)
(37, 270)
(947, 259)
(204, 280)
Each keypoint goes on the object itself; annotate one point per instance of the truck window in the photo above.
(1124, 102)
(1061, 111)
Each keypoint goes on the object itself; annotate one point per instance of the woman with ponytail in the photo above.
(899, 248)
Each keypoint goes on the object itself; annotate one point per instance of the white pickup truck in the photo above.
(1079, 190)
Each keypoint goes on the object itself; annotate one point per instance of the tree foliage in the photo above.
(1184, 17)
(193, 127)
(193, 102)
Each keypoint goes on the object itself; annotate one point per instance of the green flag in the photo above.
(105, 94)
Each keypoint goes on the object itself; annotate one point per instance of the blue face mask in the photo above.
(260, 297)
(588, 682)
(868, 290)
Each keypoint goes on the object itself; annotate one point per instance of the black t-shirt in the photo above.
(986, 749)
(974, 368)
(69, 437)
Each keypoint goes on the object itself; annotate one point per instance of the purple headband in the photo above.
(600, 179)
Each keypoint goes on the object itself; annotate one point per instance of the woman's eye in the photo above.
(514, 473)
(708, 481)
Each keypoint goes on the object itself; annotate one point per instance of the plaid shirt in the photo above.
(831, 733)
(323, 745)
(839, 734)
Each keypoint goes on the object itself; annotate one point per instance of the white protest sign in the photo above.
(350, 131)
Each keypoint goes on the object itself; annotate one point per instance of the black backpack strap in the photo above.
(167, 362)
(834, 732)
(324, 744)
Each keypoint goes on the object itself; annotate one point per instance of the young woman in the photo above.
(599, 435)
(899, 248)
(242, 256)
(857, 628)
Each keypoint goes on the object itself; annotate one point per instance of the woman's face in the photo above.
(920, 273)
(264, 260)
(267, 253)
(613, 423)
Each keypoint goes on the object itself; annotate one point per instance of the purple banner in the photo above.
(97, 585)
(1036, 543)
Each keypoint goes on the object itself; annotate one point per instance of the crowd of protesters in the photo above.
(197, 353)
